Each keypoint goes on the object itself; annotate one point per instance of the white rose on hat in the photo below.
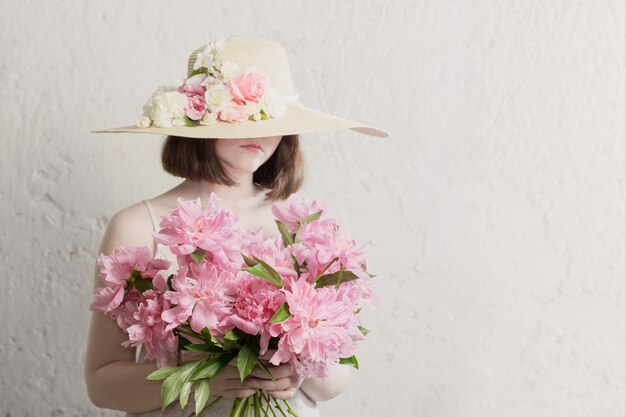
(217, 97)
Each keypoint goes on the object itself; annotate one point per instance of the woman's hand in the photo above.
(228, 384)
(286, 381)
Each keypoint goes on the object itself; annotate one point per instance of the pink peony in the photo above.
(249, 86)
(233, 114)
(319, 332)
(256, 302)
(273, 252)
(188, 228)
(148, 329)
(206, 296)
(115, 271)
(294, 210)
(328, 240)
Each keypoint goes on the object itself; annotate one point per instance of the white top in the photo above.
(300, 401)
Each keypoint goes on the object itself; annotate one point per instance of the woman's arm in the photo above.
(319, 389)
(112, 377)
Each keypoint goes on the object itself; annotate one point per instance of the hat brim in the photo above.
(296, 120)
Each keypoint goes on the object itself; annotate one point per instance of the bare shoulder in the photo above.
(130, 226)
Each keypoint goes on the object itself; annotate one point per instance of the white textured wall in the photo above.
(496, 208)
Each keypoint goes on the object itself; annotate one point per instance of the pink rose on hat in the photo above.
(249, 86)
(233, 114)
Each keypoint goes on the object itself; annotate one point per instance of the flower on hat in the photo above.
(216, 91)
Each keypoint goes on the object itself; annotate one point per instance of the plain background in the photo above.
(496, 208)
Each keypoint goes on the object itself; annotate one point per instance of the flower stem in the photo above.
(324, 270)
(291, 411)
(280, 408)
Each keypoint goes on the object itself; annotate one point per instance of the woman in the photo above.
(247, 172)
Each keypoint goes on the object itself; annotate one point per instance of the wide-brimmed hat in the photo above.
(236, 87)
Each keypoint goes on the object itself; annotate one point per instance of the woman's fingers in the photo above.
(284, 395)
(268, 384)
(281, 371)
(238, 393)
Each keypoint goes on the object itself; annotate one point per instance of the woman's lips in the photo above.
(255, 148)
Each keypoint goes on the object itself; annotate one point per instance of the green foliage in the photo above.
(336, 278)
(202, 393)
(266, 272)
(198, 255)
(281, 314)
(246, 360)
(350, 361)
(284, 232)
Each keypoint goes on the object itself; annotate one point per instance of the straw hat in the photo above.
(236, 87)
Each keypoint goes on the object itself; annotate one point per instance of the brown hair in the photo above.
(196, 159)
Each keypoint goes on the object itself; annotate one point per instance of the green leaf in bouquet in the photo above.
(202, 393)
(336, 278)
(209, 338)
(247, 260)
(284, 232)
(265, 369)
(184, 394)
(231, 340)
(173, 384)
(371, 275)
(169, 282)
(281, 314)
(246, 359)
(296, 265)
(198, 255)
(335, 259)
(230, 345)
(182, 342)
(311, 217)
(162, 373)
(363, 330)
(266, 272)
(211, 367)
(350, 361)
(234, 335)
(203, 348)
(142, 284)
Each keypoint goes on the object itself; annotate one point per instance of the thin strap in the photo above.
(152, 216)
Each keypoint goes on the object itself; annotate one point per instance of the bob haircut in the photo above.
(196, 159)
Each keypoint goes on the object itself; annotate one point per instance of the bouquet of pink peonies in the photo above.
(235, 295)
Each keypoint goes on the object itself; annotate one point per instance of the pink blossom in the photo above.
(233, 114)
(319, 332)
(196, 107)
(249, 86)
(256, 302)
(189, 227)
(206, 296)
(294, 210)
(328, 240)
(148, 329)
(193, 86)
(115, 271)
(273, 252)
